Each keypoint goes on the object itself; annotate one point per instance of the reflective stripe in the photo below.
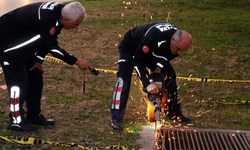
(14, 106)
(138, 72)
(24, 43)
(18, 119)
(165, 27)
(46, 5)
(39, 13)
(121, 60)
(117, 94)
(15, 92)
(6, 63)
(159, 56)
(159, 65)
(57, 51)
(15, 125)
(150, 29)
(159, 43)
(40, 57)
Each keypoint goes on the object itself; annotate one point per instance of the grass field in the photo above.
(220, 50)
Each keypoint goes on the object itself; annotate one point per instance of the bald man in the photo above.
(151, 45)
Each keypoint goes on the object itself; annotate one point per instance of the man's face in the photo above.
(72, 25)
(179, 47)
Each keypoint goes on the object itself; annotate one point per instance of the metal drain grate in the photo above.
(186, 139)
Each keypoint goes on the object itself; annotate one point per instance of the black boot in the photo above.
(178, 117)
(173, 109)
(40, 120)
(23, 126)
(116, 124)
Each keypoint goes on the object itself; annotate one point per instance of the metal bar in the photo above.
(157, 138)
(210, 142)
(169, 140)
(192, 139)
(188, 141)
(164, 143)
(202, 143)
(173, 138)
(223, 141)
(197, 141)
(237, 141)
(205, 139)
(233, 142)
(184, 144)
(218, 141)
(241, 141)
(246, 142)
(228, 142)
(215, 143)
(161, 137)
(179, 143)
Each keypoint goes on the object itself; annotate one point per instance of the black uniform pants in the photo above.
(23, 84)
(122, 86)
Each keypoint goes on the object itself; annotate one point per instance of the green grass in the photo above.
(220, 50)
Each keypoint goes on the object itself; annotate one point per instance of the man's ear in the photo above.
(65, 18)
(172, 39)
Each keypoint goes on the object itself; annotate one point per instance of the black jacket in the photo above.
(149, 44)
(30, 29)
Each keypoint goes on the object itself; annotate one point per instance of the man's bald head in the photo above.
(180, 42)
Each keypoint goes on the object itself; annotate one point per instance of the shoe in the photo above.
(170, 116)
(21, 127)
(116, 124)
(179, 118)
(184, 119)
(40, 120)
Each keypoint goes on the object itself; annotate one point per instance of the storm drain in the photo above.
(186, 139)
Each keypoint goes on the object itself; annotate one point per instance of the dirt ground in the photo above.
(146, 137)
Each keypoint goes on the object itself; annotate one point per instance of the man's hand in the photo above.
(37, 65)
(153, 88)
(83, 64)
(157, 70)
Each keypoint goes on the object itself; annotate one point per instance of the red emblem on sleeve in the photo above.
(52, 31)
(145, 49)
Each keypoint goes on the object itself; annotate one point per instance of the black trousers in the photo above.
(122, 86)
(23, 84)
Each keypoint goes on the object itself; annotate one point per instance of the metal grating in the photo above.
(186, 139)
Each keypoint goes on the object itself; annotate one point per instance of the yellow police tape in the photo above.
(209, 80)
(224, 101)
(32, 141)
(55, 60)
(52, 59)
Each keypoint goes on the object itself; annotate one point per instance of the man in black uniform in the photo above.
(151, 45)
(27, 34)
